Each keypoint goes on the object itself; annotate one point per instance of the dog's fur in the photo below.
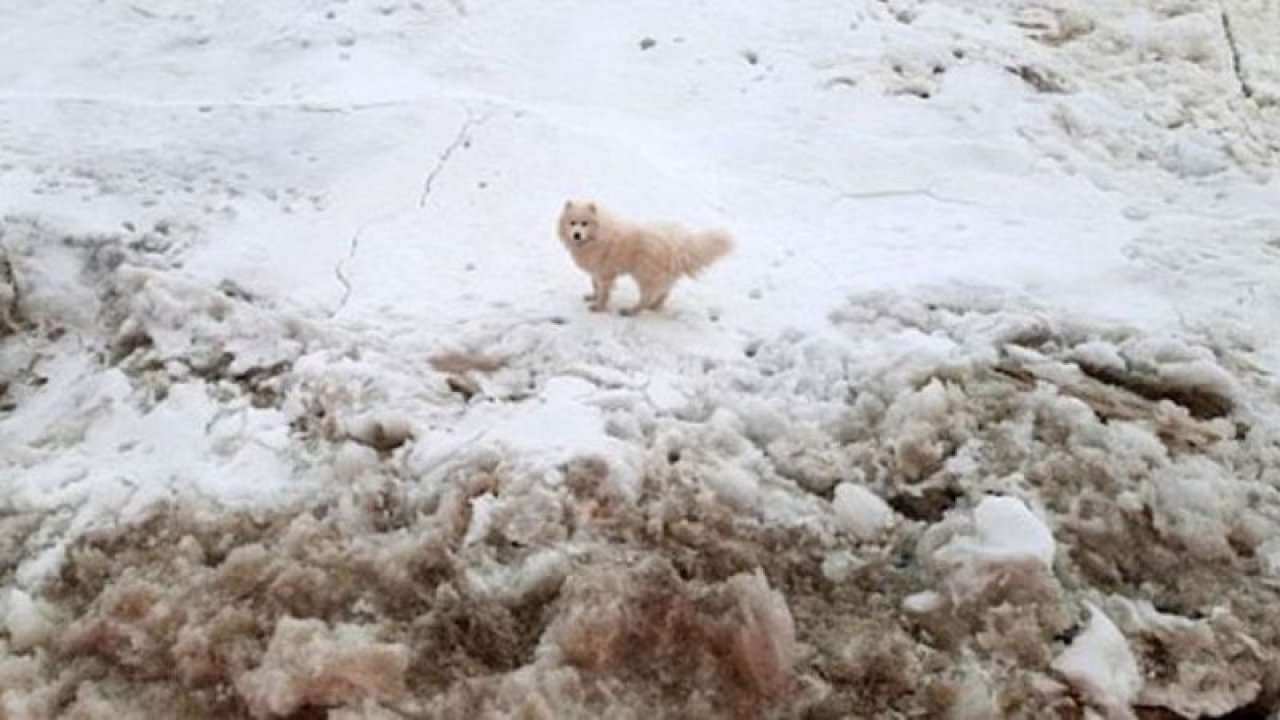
(654, 255)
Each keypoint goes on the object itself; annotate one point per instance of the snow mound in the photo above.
(734, 550)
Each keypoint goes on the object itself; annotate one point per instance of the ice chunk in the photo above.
(735, 486)
(1100, 355)
(481, 522)
(1197, 502)
(1100, 665)
(309, 663)
(540, 574)
(923, 602)
(1269, 558)
(860, 511)
(764, 648)
(840, 565)
(1008, 542)
(1007, 528)
(27, 620)
(974, 699)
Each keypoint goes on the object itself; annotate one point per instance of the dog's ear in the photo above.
(568, 204)
(591, 208)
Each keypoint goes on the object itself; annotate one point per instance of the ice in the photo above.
(1007, 540)
(308, 663)
(1007, 529)
(1099, 663)
(1198, 683)
(736, 486)
(1269, 555)
(765, 644)
(481, 523)
(26, 619)
(1197, 504)
(860, 511)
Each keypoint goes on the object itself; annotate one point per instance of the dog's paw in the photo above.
(597, 307)
(628, 312)
(589, 297)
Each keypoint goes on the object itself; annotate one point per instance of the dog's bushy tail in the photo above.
(702, 249)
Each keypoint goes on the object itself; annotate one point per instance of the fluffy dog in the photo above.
(656, 256)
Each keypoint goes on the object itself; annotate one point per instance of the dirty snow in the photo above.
(301, 412)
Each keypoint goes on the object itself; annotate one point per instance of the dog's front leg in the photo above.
(604, 286)
(595, 290)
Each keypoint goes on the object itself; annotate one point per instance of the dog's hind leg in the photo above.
(660, 297)
(652, 295)
(646, 296)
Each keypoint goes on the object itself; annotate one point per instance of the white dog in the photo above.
(654, 255)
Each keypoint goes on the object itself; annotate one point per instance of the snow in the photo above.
(1006, 537)
(860, 511)
(1198, 504)
(26, 620)
(1269, 555)
(1101, 665)
(308, 663)
(1193, 688)
(766, 641)
(282, 309)
(1007, 529)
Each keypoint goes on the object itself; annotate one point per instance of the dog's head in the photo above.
(578, 222)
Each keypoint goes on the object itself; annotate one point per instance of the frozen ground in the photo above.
(301, 412)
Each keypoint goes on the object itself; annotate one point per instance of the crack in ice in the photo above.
(463, 138)
(1245, 88)
(305, 106)
(838, 195)
(338, 269)
(910, 192)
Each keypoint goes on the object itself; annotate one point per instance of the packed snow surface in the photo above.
(302, 413)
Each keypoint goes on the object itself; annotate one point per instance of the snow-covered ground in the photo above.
(301, 411)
